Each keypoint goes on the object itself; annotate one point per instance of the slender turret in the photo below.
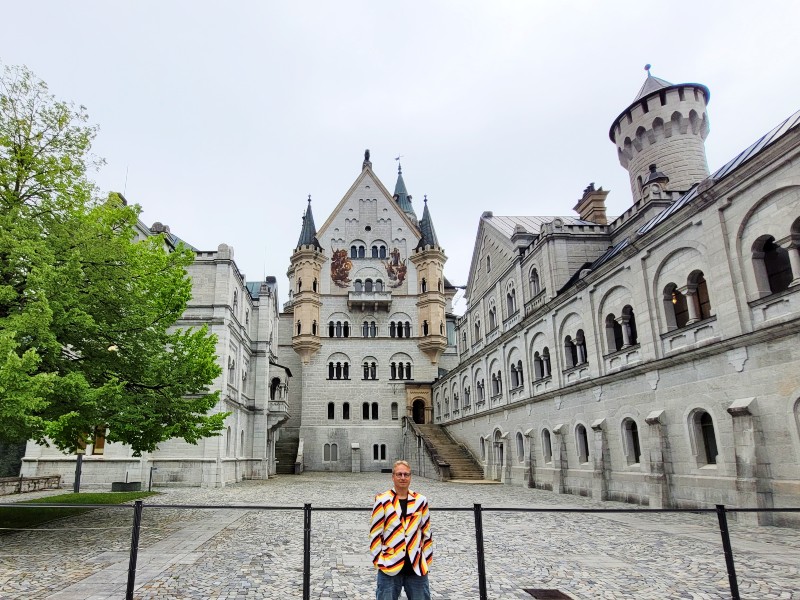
(429, 259)
(304, 275)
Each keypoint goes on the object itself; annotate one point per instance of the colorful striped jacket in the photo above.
(390, 540)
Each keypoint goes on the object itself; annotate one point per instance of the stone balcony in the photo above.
(369, 301)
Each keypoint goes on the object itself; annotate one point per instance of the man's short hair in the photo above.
(400, 462)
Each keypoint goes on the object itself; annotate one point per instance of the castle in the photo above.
(649, 358)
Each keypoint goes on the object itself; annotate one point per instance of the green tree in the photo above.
(87, 309)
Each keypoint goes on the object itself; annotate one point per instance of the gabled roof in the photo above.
(367, 172)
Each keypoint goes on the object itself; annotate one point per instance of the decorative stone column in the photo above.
(625, 324)
(690, 291)
(559, 458)
(660, 461)
(599, 481)
(355, 457)
(752, 469)
(793, 248)
(530, 461)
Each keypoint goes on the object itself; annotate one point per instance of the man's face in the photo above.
(401, 477)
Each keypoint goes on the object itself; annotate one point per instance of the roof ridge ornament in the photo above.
(399, 166)
(367, 164)
(647, 68)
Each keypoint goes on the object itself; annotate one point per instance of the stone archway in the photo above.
(418, 411)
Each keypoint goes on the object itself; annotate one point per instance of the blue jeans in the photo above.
(416, 587)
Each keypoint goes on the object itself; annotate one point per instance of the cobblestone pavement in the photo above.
(236, 554)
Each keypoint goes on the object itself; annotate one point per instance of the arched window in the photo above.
(580, 347)
(495, 385)
(359, 285)
(546, 372)
(629, 326)
(326, 453)
(346, 329)
(346, 411)
(772, 262)
(424, 285)
(477, 332)
(228, 442)
(547, 447)
(535, 285)
(235, 298)
(362, 252)
(408, 329)
(439, 286)
(338, 329)
(511, 301)
(463, 341)
(613, 333)
(703, 301)
(467, 393)
(630, 433)
(392, 329)
(365, 329)
(331, 410)
(331, 329)
(299, 328)
(378, 285)
(374, 252)
(704, 428)
(483, 449)
(492, 317)
(374, 411)
(424, 328)
(373, 329)
(582, 444)
(368, 285)
(676, 310)
(520, 448)
(331, 371)
(538, 367)
(314, 285)
(273, 387)
(570, 352)
(382, 251)
(353, 252)
(299, 284)
(395, 415)
(365, 411)
(488, 264)
(313, 328)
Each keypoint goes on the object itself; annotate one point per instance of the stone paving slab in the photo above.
(227, 554)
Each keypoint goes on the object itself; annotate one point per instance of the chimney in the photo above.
(592, 206)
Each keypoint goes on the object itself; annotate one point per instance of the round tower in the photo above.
(666, 125)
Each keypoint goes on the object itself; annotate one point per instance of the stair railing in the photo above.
(442, 466)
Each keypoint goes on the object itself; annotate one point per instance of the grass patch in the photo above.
(25, 518)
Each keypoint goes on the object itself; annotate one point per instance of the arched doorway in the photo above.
(498, 456)
(418, 411)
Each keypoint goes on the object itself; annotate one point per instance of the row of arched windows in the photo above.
(338, 329)
(368, 285)
(701, 427)
(338, 370)
(399, 370)
(300, 285)
(360, 251)
(369, 411)
(400, 329)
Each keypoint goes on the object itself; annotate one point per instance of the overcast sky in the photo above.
(223, 117)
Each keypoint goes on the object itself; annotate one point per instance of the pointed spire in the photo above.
(308, 234)
(426, 228)
(651, 84)
(401, 195)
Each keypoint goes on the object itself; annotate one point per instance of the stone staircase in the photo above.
(462, 463)
(286, 453)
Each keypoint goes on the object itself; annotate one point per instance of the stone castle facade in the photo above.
(649, 358)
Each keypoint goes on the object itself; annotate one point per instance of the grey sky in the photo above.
(227, 115)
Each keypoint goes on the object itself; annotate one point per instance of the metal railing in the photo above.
(477, 509)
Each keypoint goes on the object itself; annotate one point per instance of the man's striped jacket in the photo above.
(391, 539)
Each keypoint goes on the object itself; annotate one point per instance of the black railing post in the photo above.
(137, 525)
(306, 552)
(479, 547)
(726, 547)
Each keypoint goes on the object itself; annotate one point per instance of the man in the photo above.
(400, 539)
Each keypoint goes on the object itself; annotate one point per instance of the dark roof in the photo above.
(403, 199)
(507, 225)
(308, 234)
(174, 240)
(755, 148)
(426, 229)
(650, 85)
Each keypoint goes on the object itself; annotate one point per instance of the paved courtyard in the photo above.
(231, 554)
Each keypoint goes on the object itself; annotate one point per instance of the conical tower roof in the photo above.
(308, 233)
(651, 84)
(426, 228)
(402, 197)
